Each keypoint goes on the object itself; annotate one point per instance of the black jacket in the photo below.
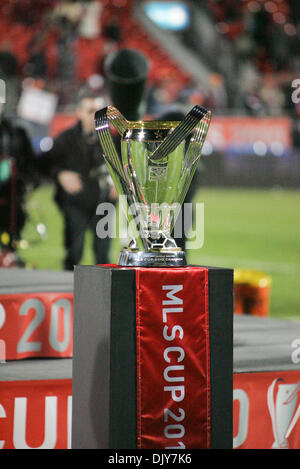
(15, 146)
(73, 151)
(15, 143)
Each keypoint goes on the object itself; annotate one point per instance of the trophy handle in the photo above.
(117, 119)
(102, 119)
(112, 157)
(180, 133)
(194, 152)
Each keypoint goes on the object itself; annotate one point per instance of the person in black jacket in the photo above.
(82, 182)
(17, 172)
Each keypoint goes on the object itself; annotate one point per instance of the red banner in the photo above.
(36, 325)
(35, 414)
(173, 387)
(266, 410)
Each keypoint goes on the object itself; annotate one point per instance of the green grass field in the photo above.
(247, 228)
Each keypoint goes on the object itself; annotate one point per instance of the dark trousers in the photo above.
(77, 222)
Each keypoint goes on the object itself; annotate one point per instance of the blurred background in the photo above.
(239, 59)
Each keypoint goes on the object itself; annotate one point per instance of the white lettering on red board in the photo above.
(21, 425)
(25, 345)
(174, 429)
(241, 436)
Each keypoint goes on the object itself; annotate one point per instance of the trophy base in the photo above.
(152, 259)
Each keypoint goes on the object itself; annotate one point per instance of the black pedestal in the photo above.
(104, 357)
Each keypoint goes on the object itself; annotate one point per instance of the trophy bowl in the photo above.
(153, 172)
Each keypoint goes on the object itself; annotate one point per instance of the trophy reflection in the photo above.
(154, 170)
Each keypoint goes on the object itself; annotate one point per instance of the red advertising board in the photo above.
(36, 325)
(242, 131)
(35, 414)
(266, 410)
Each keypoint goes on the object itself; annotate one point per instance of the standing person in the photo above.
(82, 182)
(17, 172)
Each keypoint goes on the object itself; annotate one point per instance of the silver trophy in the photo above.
(154, 170)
